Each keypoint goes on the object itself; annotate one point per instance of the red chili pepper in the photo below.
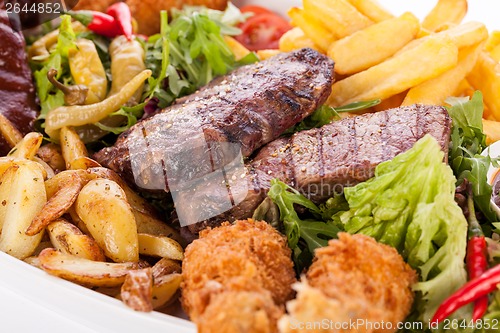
(100, 23)
(476, 258)
(121, 12)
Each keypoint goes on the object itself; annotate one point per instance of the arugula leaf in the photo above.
(326, 114)
(132, 113)
(314, 233)
(467, 143)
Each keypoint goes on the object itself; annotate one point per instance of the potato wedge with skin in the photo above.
(295, 39)
(165, 266)
(339, 16)
(486, 77)
(397, 74)
(27, 147)
(9, 131)
(372, 9)
(51, 154)
(435, 91)
(368, 47)
(147, 224)
(445, 11)
(72, 146)
(23, 203)
(6, 185)
(315, 30)
(491, 129)
(8, 161)
(83, 271)
(83, 163)
(68, 239)
(64, 179)
(165, 288)
(160, 246)
(137, 290)
(102, 205)
(57, 205)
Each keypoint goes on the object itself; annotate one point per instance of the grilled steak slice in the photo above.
(17, 92)
(321, 162)
(246, 109)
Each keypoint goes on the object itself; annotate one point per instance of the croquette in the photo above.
(246, 256)
(353, 279)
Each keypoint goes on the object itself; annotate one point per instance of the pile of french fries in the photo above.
(401, 60)
(64, 213)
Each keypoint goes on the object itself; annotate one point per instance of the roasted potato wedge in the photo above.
(58, 204)
(27, 147)
(83, 271)
(137, 290)
(51, 154)
(72, 146)
(165, 266)
(165, 288)
(160, 246)
(68, 239)
(102, 205)
(9, 131)
(24, 201)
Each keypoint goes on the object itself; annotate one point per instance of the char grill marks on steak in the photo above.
(241, 111)
(321, 162)
(17, 93)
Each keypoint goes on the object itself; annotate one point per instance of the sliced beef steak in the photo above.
(17, 93)
(234, 114)
(321, 162)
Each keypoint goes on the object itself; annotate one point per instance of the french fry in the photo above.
(493, 45)
(464, 89)
(57, 205)
(486, 77)
(9, 131)
(339, 16)
(68, 239)
(160, 246)
(266, 54)
(103, 207)
(165, 266)
(445, 11)
(137, 290)
(319, 34)
(295, 39)
(236, 47)
(372, 9)
(51, 154)
(435, 91)
(391, 102)
(397, 74)
(83, 271)
(165, 288)
(491, 129)
(28, 146)
(23, 203)
(72, 146)
(368, 47)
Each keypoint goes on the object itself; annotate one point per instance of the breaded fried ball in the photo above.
(353, 279)
(240, 312)
(147, 12)
(246, 256)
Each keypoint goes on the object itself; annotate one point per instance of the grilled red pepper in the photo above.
(100, 23)
(476, 258)
(121, 12)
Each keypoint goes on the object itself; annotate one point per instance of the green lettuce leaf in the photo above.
(409, 204)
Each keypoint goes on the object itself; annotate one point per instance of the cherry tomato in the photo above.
(263, 31)
(255, 9)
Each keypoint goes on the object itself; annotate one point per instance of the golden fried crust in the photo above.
(358, 268)
(241, 312)
(147, 12)
(245, 256)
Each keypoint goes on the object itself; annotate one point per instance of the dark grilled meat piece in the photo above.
(321, 162)
(234, 115)
(17, 93)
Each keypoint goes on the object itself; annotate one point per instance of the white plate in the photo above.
(32, 301)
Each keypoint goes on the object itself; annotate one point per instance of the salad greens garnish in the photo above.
(304, 236)
(189, 52)
(51, 97)
(326, 114)
(467, 143)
